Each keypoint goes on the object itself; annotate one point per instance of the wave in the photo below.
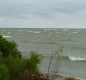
(75, 32)
(66, 57)
(48, 29)
(77, 78)
(30, 31)
(34, 31)
(20, 30)
(8, 33)
(72, 58)
(6, 36)
(76, 58)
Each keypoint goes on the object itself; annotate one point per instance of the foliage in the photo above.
(13, 66)
(32, 63)
(3, 72)
(58, 53)
(16, 68)
(8, 48)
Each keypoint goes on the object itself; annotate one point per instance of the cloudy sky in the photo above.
(43, 13)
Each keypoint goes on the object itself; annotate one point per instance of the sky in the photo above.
(42, 13)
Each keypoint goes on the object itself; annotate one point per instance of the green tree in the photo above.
(12, 64)
(9, 48)
(16, 68)
(32, 63)
(3, 72)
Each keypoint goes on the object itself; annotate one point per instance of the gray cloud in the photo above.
(45, 9)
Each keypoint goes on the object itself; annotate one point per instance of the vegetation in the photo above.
(9, 48)
(58, 53)
(3, 72)
(13, 66)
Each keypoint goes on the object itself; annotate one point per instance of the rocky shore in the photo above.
(52, 77)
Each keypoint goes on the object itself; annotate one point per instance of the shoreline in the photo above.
(59, 77)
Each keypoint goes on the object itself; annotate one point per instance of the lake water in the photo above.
(46, 41)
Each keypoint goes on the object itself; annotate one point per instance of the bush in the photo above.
(16, 68)
(3, 72)
(31, 65)
(8, 48)
(13, 66)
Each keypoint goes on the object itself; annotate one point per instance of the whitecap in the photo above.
(75, 32)
(6, 36)
(76, 58)
(72, 58)
(30, 31)
(8, 33)
(36, 32)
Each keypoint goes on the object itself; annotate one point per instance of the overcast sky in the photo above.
(43, 13)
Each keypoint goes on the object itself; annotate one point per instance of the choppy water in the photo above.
(46, 41)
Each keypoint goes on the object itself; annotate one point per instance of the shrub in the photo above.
(13, 66)
(32, 63)
(3, 72)
(16, 68)
(8, 48)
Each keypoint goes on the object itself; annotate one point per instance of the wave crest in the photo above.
(76, 58)
(6, 36)
(72, 58)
